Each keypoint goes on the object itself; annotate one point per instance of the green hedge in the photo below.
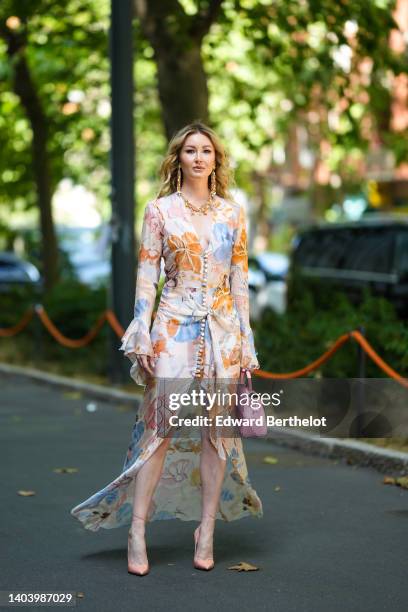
(73, 308)
(316, 316)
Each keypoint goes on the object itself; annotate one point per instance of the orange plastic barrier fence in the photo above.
(109, 316)
(16, 329)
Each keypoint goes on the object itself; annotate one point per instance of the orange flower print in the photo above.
(159, 346)
(223, 300)
(231, 358)
(148, 254)
(187, 251)
(172, 326)
(239, 251)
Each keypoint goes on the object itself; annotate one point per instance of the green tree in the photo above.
(54, 70)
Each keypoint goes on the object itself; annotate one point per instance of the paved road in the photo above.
(333, 538)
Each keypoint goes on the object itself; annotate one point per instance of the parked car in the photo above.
(267, 283)
(371, 252)
(15, 271)
(84, 252)
(87, 249)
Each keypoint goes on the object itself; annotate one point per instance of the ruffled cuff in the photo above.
(136, 339)
(249, 358)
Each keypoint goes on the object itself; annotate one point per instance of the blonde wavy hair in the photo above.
(168, 169)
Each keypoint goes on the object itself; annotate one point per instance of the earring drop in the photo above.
(213, 184)
(179, 180)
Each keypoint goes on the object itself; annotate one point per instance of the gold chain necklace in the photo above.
(203, 210)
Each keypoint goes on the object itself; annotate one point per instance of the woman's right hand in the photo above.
(146, 362)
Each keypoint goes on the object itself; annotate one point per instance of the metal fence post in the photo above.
(361, 356)
(38, 337)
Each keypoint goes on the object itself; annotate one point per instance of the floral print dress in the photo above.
(201, 330)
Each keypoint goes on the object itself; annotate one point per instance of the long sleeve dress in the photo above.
(201, 330)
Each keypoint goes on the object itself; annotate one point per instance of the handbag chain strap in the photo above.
(249, 378)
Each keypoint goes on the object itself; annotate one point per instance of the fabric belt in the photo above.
(190, 310)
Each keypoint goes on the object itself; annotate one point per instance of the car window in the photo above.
(321, 249)
(371, 250)
(305, 252)
(7, 265)
(401, 259)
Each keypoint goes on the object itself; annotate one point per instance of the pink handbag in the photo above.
(248, 408)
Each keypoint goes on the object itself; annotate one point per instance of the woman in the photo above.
(201, 330)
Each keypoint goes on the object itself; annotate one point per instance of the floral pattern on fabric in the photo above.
(221, 273)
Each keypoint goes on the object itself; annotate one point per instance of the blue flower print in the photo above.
(112, 496)
(223, 236)
(124, 514)
(140, 306)
(132, 455)
(138, 430)
(226, 495)
(234, 453)
(188, 332)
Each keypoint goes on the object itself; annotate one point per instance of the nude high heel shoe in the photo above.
(139, 569)
(202, 564)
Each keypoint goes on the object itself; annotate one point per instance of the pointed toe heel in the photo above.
(201, 564)
(138, 569)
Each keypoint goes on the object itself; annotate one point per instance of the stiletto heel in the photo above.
(139, 569)
(202, 564)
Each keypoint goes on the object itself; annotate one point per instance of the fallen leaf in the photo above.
(79, 594)
(402, 481)
(277, 488)
(65, 470)
(388, 480)
(72, 394)
(243, 566)
(270, 459)
(25, 493)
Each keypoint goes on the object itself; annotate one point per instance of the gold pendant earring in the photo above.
(213, 184)
(179, 180)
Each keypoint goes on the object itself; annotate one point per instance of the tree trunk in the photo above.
(24, 88)
(176, 39)
(260, 220)
(182, 87)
